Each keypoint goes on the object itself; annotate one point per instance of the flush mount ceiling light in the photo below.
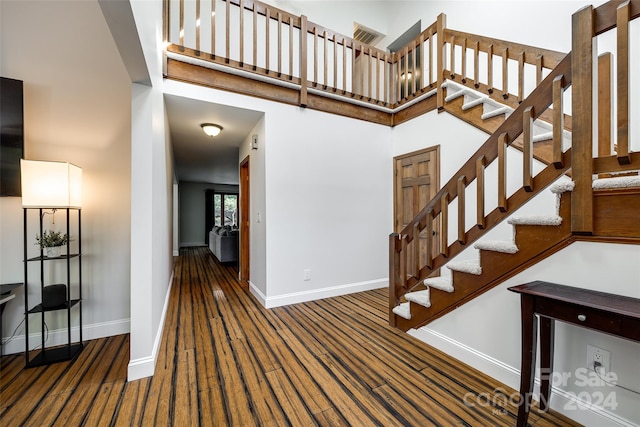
(210, 129)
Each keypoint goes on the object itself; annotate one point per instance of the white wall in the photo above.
(192, 210)
(76, 108)
(257, 207)
(151, 200)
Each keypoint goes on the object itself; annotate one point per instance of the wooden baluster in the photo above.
(370, 74)
(429, 245)
(505, 73)
(198, 27)
(430, 72)
(398, 80)
(444, 225)
(326, 56)
(315, 56)
(490, 69)
(377, 62)
(480, 164)
(303, 60)
(461, 187)
(290, 48)
(605, 64)
(335, 63)
(182, 25)
(255, 37)
(403, 261)
(385, 81)
(582, 120)
(476, 64)
(441, 23)
(464, 60)
(558, 121)
(413, 68)
(527, 149)
(227, 30)
(362, 71)
(354, 75)
(241, 32)
(415, 265)
(267, 37)
(452, 54)
(422, 70)
(344, 66)
(394, 270)
(406, 72)
(503, 144)
(538, 69)
(279, 44)
(521, 76)
(622, 19)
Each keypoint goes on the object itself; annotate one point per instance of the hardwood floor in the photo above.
(225, 360)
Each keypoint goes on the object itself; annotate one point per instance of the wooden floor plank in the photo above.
(225, 360)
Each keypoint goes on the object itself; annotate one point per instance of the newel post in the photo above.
(582, 112)
(394, 275)
(441, 24)
(303, 61)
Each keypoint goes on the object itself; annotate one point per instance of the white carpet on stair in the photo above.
(536, 220)
(617, 182)
(468, 105)
(419, 297)
(496, 112)
(562, 186)
(467, 266)
(497, 246)
(543, 137)
(403, 310)
(441, 283)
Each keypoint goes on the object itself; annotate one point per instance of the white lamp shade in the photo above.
(50, 184)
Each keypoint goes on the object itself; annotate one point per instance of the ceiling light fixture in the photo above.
(210, 129)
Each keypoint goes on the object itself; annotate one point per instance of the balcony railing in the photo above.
(277, 46)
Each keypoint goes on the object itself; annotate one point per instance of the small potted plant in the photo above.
(51, 241)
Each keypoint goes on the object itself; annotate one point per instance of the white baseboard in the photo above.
(315, 294)
(143, 367)
(60, 337)
(176, 253)
(583, 412)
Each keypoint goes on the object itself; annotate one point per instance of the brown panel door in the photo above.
(244, 221)
(417, 180)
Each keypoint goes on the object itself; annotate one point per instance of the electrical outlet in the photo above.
(600, 357)
(307, 275)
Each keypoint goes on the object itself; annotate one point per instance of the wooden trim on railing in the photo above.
(582, 137)
(605, 16)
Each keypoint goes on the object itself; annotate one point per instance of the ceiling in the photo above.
(198, 157)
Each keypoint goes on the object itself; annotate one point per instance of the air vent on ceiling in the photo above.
(366, 35)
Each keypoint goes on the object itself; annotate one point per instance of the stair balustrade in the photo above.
(406, 269)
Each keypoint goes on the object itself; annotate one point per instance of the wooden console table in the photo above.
(612, 314)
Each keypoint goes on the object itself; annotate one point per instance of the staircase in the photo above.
(600, 210)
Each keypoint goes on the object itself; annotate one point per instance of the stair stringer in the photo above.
(535, 243)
